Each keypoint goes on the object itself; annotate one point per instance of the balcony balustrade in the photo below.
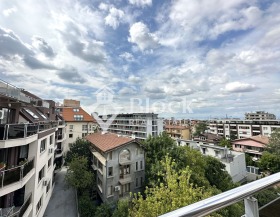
(15, 174)
(18, 131)
(11, 91)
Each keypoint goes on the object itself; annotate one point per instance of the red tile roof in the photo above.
(258, 138)
(107, 141)
(68, 114)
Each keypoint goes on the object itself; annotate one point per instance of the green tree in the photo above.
(104, 210)
(267, 195)
(122, 208)
(270, 162)
(200, 128)
(177, 192)
(78, 175)
(249, 161)
(86, 206)
(273, 146)
(225, 143)
(80, 148)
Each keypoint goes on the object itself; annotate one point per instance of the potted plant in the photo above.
(2, 166)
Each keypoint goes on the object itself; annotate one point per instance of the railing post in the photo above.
(21, 172)
(251, 207)
(3, 176)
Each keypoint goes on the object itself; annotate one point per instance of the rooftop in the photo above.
(176, 127)
(68, 114)
(259, 138)
(108, 141)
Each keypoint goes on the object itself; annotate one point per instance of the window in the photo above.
(100, 166)
(139, 151)
(49, 162)
(78, 117)
(217, 153)
(124, 155)
(141, 165)
(99, 184)
(264, 128)
(110, 191)
(43, 116)
(204, 150)
(136, 182)
(124, 170)
(39, 204)
(76, 110)
(110, 171)
(41, 174)
(71, 127)
(43, 145)
(31, 113)
(95, 161)
(110, 155)
(48, 187)
(84, 127)
(84, 134)
(142, 180)
(51, 139)
(136, 166)
(71, 135)
(126, 188)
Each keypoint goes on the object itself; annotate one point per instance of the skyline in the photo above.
(223, 60)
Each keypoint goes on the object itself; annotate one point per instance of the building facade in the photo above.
(79, 122)
(137, 125)
(234, 162)
(29, 129)
(238, 129)
(259, 115)
(119, 165)
(178, 132)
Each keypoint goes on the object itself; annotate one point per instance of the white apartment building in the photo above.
(137, 125)
(238, 129)
(259, 115)
(119, 165)
(234, 162)
(28, 140)
(79, 122)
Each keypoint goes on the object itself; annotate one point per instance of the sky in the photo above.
(184, 58)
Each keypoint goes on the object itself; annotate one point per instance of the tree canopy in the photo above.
(200, 128)
(273, 146)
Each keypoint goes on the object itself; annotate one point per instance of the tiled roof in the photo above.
(68, 114)
(175, 127)
(107, 141)
(258, 138)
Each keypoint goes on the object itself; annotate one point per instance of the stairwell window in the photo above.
(43, 145)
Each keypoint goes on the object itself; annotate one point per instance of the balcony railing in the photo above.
(17, 131)
(15, 174)
(16, 211)
(9, 90)
(217, 202)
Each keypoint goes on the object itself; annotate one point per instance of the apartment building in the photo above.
(178, 132)
(238, 129)
(208, 137)
(254, 146)
(119, 165)
(29, 128)
(259, 115)
(137, 125)
(79, 122)
(234, 162)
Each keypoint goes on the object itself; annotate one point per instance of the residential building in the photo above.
(238, 129)
(234, 162)
(79, 122)
(137, 125)
(178, 132)
(29, 129)
(208, 137)
(119, 165)
(259, 115)
(254, 145)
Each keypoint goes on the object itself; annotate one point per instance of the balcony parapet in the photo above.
(19, 131)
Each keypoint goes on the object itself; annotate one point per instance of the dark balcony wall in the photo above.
(45, 133)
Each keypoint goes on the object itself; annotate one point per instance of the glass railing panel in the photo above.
(16, 131)
(2, 131)
(10, 176)
(28, 167)
(31, 129)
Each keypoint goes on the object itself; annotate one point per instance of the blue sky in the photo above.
(220, 57)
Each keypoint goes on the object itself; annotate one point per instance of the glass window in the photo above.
(51, 139)
(31, 113)
(71, 127)
(70, 135)
(43, 116)
(110, 190)
(136, 166)
(41, 174)
(39, 204)
(136, 182)
(84, 127)
(110, 171)
(141, 165)
(124, 155)
(43, 145)
(49, 162)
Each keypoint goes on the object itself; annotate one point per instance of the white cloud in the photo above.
(140, 35)
(114, 17)
(134, 79)
(141, 3)
(238, 87)
(9, 11)
(127, 56)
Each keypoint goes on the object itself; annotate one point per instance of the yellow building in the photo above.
(176, 131)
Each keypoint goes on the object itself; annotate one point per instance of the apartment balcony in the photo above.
(217, 202)
(18, 211)
(18, 134)
(16, 177)
(61, 137)
(61, 124)
(125, 178)
(58, 153)
(13, 92)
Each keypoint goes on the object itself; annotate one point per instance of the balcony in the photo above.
(61, 124)
(217, 202)
(23, 210)
(11, 91)
(61, 137)
(14, 178)
(58, 153)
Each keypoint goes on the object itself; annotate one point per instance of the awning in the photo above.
(99, 157)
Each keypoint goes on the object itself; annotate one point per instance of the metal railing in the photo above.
(17, 131)
(217, 202)
(15, 174)
(12, 91)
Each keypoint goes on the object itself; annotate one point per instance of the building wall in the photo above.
(237, 168)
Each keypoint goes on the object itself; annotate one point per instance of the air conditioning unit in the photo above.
(45, 182)
(117, 188)
(50, 150)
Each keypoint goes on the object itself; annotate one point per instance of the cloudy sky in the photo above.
(216, 57)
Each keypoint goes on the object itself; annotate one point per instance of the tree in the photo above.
(104, 210)
(86, 206)
(200, 128)
(273, 146)
(225, 143)
(177, 192)
(78, 175)
(270, 162)
(80, 148)
(122, 208)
